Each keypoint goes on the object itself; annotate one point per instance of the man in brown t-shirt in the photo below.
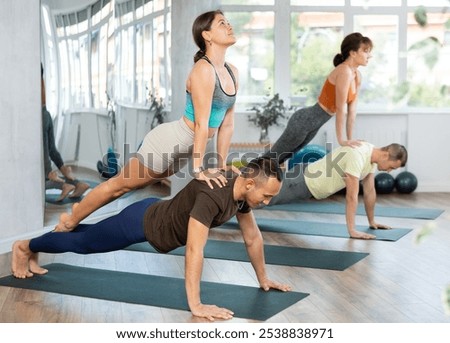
(168, 224)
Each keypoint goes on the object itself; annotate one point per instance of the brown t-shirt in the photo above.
(166, 222)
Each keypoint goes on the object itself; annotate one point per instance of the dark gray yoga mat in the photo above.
(318, 228)
(278, 255)
(151, 290)
(339, 208)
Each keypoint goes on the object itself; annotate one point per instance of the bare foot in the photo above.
(66, 189)
(34, 265)
(80, 188)
(67, 172)
(66, 224)
(20, 259)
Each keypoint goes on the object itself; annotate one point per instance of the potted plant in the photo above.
(157, 107)
(266, 115)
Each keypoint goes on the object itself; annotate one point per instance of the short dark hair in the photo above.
(397, 152)
(262, 167)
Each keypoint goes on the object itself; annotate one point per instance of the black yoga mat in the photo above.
(274, 254)
(318, 228)
(151, 290)
(339, 208)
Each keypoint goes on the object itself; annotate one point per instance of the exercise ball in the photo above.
(406, 182)
(308, 154)
(384, 183)
(110, 167)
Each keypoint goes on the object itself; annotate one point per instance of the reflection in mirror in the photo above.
(106, 80)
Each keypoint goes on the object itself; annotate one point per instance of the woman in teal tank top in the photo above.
(211, 87)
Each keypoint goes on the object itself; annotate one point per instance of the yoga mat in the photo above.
(274, 254)
(318, 228)
(151, 290)
(338, 208)
(51, 197)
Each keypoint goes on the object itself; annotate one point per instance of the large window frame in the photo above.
(134, 77)
(81, 38)
(143, 67)
(351, 10)
(87, 64)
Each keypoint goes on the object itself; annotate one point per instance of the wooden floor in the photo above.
(399, 282)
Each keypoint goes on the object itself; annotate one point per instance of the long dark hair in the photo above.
(351, 42)
(202, 23)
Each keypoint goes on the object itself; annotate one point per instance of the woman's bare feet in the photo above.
(66, 189)
(80, 188)
(21, 255)
(66, 223)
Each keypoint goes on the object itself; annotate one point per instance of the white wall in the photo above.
(21, 183)
(429, 157)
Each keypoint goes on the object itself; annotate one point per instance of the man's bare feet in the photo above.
(34, 266)
(66, 189)
(21, 255)
(66, 224)
(80, 188)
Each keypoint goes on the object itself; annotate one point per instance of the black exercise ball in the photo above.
(384, 183)
(406, 182)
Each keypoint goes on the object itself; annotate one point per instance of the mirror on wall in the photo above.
(106, 76)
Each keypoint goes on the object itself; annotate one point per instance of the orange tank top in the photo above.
(327, 96)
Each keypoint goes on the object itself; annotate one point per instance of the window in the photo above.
(253, 54)
(82, 40)
(375, 3)
(248, 2)
(315, 40)
(143, 43)
(407, 68)
(283, 46)
(428, 53)
(117, 49)
(382, 72)
(317, 3)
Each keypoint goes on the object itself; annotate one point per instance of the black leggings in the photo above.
(111, 234)
(300, 130)
(51, 153)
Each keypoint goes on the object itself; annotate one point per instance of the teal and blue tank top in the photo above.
(221, 101)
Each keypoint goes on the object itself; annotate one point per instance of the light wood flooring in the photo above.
(399, 282)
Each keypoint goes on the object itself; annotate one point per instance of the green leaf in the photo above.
(425, 231)
(429, 49)
(420, 14)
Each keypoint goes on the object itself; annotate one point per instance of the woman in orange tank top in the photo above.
(338, 97)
